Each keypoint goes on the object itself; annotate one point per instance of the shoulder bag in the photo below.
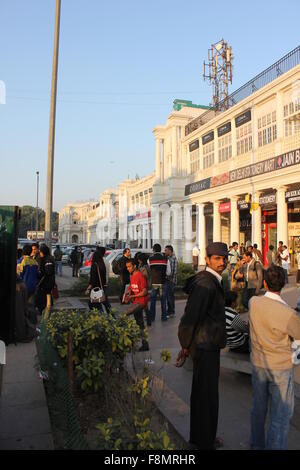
(97, 294)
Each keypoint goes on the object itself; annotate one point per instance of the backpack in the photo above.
(117, 266)
(145, 270)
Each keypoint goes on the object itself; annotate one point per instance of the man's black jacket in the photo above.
(203, 324)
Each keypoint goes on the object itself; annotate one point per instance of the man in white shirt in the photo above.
(285, 262)
(196, 253)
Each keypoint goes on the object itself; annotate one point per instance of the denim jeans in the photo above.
(276, 388)
(163, 300)
(58, 267)
(170, 298)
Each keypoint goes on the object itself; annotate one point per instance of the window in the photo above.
(195, 161)
(244, 139)
(225, 148)
(268, 126)
(291, 125)
(208, 154)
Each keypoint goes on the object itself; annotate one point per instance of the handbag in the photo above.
(97, 294)
(55, 293)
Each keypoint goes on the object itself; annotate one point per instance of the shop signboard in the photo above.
(224, 129)
(196, 187)
(208, 209)
(294, 229)
(208, 138)
(243, 118)
(292, 196)
(243, 205)
(266, 166)
(268, 199)
(194, 145)
(224, 207)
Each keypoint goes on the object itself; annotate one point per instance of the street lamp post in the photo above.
(37, 204)
(49, 196)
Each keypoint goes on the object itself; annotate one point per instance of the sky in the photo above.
(121, 65)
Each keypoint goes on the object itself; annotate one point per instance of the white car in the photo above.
(112, 256)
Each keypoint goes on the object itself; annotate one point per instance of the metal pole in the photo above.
(37, 204)
(49, 195)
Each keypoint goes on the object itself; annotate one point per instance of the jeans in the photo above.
(162, 289)
(58, 267)
(286, 275)
(170, 298)
(275, 387)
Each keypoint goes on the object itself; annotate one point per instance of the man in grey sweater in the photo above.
(273, 324)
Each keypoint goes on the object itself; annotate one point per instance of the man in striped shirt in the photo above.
(237, 329)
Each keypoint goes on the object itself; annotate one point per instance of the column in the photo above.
(216, 223)
(188, 233)
(234, 221)
(201, 234)
(174, 152)
(282, 216)
(157, 160)
(256, 222)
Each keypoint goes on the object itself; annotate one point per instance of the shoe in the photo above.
(172, 315)
(168, 316)
(144, 348)
(164, 319)
(219, 443)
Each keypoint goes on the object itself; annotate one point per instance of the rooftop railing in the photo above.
(283, 65)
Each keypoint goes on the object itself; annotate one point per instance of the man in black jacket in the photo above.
(202, 333)
(160, 269)
(124, 274)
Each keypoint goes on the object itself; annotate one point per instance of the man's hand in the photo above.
(182, 355)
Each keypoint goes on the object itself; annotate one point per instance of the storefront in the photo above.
(268, 204)
(245, 221)
(224, 210)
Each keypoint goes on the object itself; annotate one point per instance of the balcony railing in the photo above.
(283, 65)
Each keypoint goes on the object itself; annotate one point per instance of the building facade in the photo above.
(236, 172)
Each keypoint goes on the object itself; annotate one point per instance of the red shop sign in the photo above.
(224, 207)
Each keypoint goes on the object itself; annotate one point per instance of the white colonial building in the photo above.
(73, 222)
(236, 173)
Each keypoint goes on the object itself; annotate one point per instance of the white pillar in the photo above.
(201, 234)
(256, 223)
(157, 161)
(188, 233)
(216, 223)
(234, 221)
(174, 152)
(282, 216)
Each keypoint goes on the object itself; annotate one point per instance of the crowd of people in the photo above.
(35, 281)
(142, 279)
(211, 322)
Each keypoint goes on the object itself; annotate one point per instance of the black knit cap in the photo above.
(217, 248)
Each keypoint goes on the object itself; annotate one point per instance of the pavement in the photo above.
(24, 418)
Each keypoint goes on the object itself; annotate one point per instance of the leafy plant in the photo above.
(185, 271)
(100, 342)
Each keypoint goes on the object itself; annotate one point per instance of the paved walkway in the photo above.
(24, 417)
(235, 390)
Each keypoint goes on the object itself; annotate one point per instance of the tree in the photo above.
(27, 221)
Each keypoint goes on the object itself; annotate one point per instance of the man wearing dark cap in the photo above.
(202, 333)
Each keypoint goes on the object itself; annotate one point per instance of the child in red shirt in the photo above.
(138, 295)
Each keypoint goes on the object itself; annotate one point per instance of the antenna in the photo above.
(219, 66)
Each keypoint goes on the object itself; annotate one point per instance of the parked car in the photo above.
(66, 256)
(110, 257)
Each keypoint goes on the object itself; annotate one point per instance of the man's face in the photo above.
(235, 247)
(127, 253)
(130, 267)
(34, 251)
(216, 262)
(248, 259)
(167, 252)
(250, 249)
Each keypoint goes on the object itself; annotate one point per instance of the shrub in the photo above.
(185, 271)
(100, 342)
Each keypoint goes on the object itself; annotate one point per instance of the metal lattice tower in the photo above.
(219, 66)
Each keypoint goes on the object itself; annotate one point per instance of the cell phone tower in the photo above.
(219, 67)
